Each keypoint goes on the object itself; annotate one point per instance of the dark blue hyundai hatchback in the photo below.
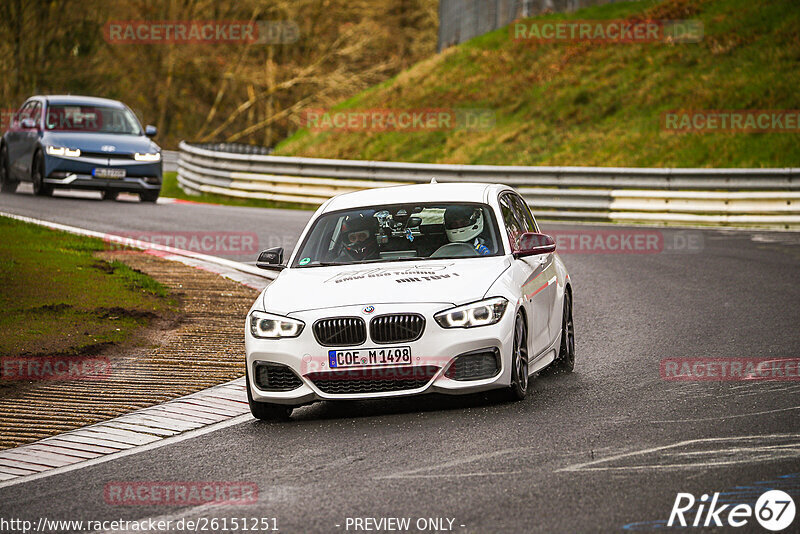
(80, 142)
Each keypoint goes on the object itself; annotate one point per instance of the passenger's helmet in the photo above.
(463, 223)
(359, 235)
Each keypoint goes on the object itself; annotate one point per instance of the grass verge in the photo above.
(56, 297)
(595, 104)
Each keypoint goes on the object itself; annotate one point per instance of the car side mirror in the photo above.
(532, 244)
(271, 259)
(150, 130)
(27, 124)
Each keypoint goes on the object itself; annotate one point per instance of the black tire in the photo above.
(565, 362)
(109, 194)
(266, 411)
(149, 196)
(519, 361)
(40, 188)
(7, 185)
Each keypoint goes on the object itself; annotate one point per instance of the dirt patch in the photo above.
(116, 312)
(199, 346)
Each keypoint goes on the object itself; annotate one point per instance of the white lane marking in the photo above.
(142, 448)
(457, 475)
(595, 464)
(457, 462)
(141, 429)
(723, 417)
(117, 439)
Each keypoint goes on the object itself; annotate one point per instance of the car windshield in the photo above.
(98, 119)
(400, 232)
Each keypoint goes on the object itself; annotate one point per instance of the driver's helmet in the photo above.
(463, 223)
(358, 235)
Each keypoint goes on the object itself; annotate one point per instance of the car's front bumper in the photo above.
(436, 347)
(77, 173)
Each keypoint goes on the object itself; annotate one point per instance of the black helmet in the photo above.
(359, 235)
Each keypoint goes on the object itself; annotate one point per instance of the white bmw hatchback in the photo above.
(446, 288)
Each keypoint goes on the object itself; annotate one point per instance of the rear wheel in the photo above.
(149, 196)
(37, 177)
(109, 194)
(7, 185)
(266, 411)
(566, 353)
(519, 360)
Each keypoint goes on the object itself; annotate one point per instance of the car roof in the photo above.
(401, 194)
(82, 100)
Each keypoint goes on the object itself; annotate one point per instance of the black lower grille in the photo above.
(340, 331)
(275, 377)
(373, 380)
(396, 328)
(474, 366)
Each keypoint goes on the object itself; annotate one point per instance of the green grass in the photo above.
(56, 297)
(171, 189)
(595, 104)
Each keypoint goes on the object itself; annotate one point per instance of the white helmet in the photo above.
(463, 223)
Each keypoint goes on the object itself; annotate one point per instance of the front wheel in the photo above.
(7, 185)
(566, 353)
(149, 196)
(266, 411)
(519, 361)
(40, 188)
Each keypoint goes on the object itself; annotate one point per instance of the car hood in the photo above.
(94, 142)
(454, 281)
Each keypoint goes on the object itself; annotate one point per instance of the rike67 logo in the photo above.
(774, 510)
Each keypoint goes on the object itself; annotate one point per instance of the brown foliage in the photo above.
(244, 92)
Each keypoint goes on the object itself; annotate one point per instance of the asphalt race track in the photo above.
(606, 448)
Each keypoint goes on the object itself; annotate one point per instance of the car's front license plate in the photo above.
(338, 359)
(108, 173)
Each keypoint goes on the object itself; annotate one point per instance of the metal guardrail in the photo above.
(734, 197)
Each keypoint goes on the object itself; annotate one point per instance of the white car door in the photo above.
(548, 263)
(535, 283)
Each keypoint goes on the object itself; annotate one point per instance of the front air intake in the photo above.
(474, 366)
(275, 377)
(373, 380)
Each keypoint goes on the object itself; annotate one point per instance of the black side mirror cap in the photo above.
(271, 259)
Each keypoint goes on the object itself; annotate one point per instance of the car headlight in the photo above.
(481, 313)
(63, 151)
(147, 157)
(268, 326)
